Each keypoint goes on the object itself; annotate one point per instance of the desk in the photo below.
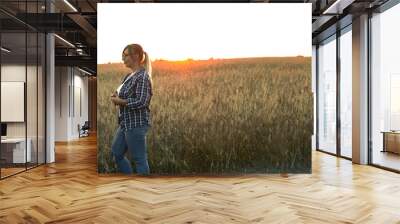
(13, 150)
(391, 141)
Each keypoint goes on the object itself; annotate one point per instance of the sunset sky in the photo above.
(201, 31)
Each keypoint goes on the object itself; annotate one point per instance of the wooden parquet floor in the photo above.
(71, 191)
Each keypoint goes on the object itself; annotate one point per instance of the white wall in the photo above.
(61, 103)
(81, 82)
(14, 73)
(69, 82)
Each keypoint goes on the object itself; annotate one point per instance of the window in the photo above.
(346, 92)
(385, 87)
(327, 95)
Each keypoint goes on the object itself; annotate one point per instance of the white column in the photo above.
(360, 90)
(50, 93)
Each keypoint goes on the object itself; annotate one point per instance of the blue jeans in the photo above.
(133, 140)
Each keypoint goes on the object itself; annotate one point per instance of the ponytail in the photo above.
(147, 63)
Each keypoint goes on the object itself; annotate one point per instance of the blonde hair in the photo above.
(147, 63)
(144, 58)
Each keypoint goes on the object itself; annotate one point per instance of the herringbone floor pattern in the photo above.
(71, 191)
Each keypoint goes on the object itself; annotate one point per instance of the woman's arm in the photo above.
(143, 94)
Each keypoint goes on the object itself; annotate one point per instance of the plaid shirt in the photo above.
(137, 90)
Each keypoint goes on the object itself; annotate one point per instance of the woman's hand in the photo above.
(118, 101)
(113, 95)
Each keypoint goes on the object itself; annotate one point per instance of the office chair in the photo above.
(84, 130)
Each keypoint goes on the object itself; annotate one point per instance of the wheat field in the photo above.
(219, 116)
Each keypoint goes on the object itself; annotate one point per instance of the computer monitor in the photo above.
(3, 129)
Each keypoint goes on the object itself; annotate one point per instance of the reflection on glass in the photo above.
(327, 96)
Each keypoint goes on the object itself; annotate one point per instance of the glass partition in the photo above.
(13, 86)
(22, 89)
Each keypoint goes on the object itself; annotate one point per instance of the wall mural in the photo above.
(204, 108)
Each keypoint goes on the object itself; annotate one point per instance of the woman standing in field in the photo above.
(133, 98)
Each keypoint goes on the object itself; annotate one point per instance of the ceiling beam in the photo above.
(83, 61)
(86, 26)
(338, 6)
(320, 22)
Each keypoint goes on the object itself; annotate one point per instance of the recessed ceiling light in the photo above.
(5, 49)
(70, 5)
(64, 40)
(86, 72)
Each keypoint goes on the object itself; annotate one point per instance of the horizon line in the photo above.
(211, 58)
